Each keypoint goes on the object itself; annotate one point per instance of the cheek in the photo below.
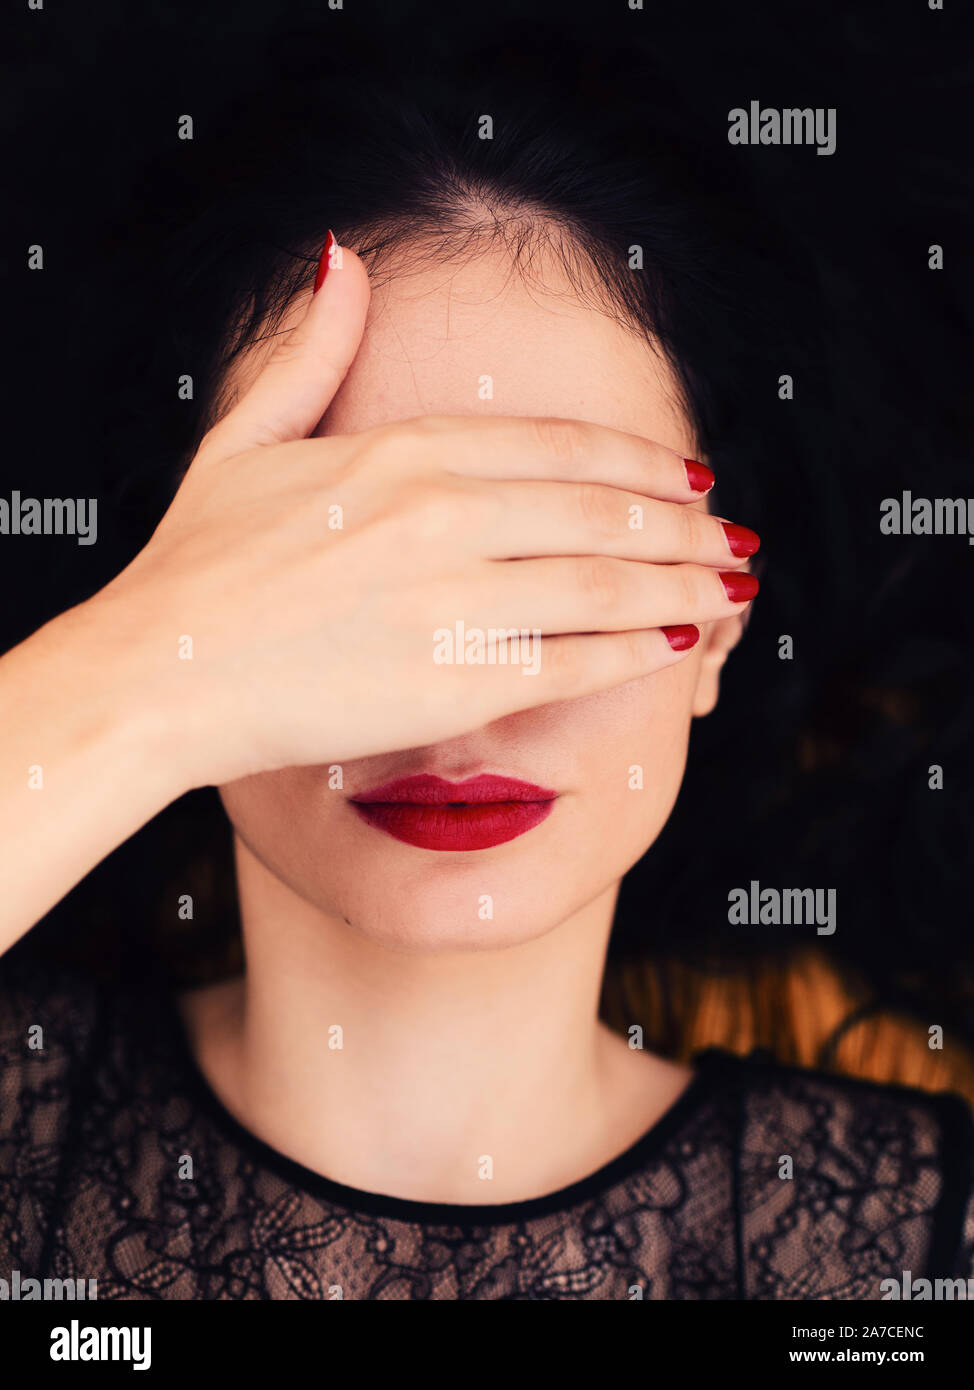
(623, 752)
(286, 819)
(646, 717)
(618, 756)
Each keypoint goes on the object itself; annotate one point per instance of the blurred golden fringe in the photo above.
(791, 1008)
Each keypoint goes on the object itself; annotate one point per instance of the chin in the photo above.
(367, 874)
(449, 906)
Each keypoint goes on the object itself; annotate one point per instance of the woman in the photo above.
(434, 605)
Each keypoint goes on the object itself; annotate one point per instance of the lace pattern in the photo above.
(96, 1131)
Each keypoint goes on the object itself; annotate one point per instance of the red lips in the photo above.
(431, 813)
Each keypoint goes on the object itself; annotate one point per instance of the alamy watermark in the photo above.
(789, 125)
(17, 1289)
(77, 1343)
(907, 515)
(926, 1290)
(491, 646)
(757, 906)
(50, 516)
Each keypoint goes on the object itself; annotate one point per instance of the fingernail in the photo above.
(740, 540)
(699, 476)
(682, 638)
(739, 587)
(330, 244)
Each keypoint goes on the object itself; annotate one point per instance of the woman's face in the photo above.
(464, 340)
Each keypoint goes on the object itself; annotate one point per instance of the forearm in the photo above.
(83, 762)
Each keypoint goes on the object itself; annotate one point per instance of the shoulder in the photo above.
(48, 1018)
(843, 1181)
(49, 1023)
(61, 1029)
(833, 1108)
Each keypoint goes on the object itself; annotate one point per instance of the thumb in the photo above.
(307, 364)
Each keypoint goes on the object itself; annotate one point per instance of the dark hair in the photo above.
(814, 770)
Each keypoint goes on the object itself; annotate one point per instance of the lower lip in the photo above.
(454, 827)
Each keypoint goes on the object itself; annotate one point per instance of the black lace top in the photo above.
(117, 1163)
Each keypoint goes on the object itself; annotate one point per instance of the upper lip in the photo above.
(428, 790)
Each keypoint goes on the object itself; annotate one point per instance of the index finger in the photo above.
(562, 450)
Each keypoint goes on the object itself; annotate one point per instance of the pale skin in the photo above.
(463, 1036)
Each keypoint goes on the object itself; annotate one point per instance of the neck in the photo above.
(474, 1077)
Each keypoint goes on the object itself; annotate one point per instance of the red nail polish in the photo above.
(699, 476)
(330, 244)
(740, 540)
(682, 638)
(739, 587)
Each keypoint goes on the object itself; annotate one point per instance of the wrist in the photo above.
(93, 674)
(84, 761)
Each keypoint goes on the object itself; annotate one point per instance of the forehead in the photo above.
(487, 336)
